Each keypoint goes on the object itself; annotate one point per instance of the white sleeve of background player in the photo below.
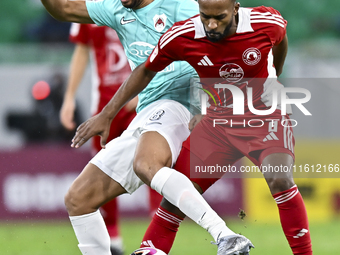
(102, 12)
(74, 29)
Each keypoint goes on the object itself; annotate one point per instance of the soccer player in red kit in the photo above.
(235, 50)
(109, 70)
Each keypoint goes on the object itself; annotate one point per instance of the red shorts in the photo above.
(216, 143)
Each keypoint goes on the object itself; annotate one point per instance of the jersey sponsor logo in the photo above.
(159, 22)
(231, 72)
(141, 49)
(251, 56)
(126, 21)
(205, 61)
(157, 115)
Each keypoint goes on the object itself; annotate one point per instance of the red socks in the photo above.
(294, 220)
(154, 200)
(162, 230)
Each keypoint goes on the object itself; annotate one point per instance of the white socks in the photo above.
(91, 233)
(93, 236)
(179, 191)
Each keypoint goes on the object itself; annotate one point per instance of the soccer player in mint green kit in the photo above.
(149, 147)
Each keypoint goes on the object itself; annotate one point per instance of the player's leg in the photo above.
(108, 175)
(154, 201)
(162, 230)
(292, 210)
(110, 210)
(89, 191)
(152, 160)
(164, 225)
(276, 158)
(152, 165)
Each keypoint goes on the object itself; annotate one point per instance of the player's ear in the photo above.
(236, 8)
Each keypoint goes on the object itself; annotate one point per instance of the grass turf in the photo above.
(57, 237)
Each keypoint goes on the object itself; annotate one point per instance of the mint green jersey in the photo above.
(139, 31)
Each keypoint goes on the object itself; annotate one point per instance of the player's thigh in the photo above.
(91, 189)
(152, 153)
(116, 160)
(164, 130)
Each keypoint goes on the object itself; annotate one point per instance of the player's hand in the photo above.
(96, 125)
(195, 120)
(66, 114)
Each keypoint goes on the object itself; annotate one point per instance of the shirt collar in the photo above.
(243, 26)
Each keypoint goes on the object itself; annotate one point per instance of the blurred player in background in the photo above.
(147, 150)
(109, 69)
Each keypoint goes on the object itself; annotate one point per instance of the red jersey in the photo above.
(110, 67)
(243, 59)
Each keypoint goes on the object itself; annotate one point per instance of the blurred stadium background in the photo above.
(37, 165)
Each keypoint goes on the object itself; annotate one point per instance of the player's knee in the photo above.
(74, 200)
(277, 185)
(69, 201)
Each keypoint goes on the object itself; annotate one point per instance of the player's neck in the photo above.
(145, 3)
(233, 28)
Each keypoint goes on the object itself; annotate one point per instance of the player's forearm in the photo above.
(133, 85)
(56, 8)
(280, 53)
(68, 10)
(78, 66)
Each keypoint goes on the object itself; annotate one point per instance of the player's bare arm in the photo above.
(68, 10)
(100, 123)
(280, 53)
(78, 66)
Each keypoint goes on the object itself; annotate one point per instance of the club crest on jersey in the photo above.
(251, 56)
(231, 72)
(159, 22)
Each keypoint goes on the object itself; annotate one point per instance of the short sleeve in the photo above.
(102, 12)
(272, 23)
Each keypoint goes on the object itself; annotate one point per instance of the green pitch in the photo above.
(56, 238)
